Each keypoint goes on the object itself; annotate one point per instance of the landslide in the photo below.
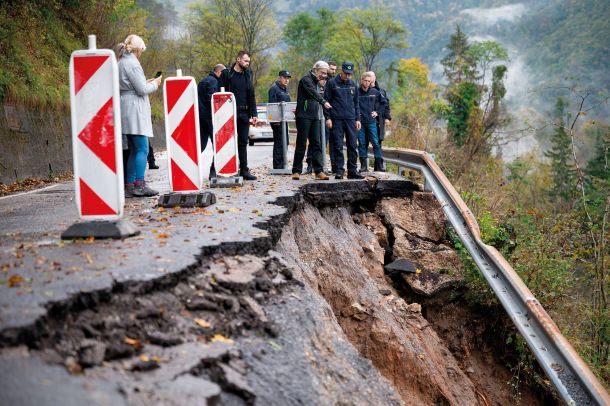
(429, 343)
(316, 320)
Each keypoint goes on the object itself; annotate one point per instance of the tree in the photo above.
(475, 106)
(560, 155)
(307, 37)
(413, 101)
(459, 64)
(363, 34)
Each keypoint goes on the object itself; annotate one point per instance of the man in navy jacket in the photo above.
(344, 120)
(206, 88)
(278, 92)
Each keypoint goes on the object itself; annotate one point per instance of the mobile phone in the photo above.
(158, 74)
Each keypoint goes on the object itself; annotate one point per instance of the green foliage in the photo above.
(460, 63)
(463, 102)
(560, 156)
(476, 110)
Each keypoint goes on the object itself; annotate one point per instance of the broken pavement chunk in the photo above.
(401, 265)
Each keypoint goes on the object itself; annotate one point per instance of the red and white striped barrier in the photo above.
(96, 133)
(225, 133)
(182, 133)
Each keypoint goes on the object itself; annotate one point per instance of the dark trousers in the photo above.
(278, 146)
(206, 131)
(340, 129)
(243, 129)
(307, 130)
(328, 140)
(151, 154)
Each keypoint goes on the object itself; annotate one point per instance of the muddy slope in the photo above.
(340, 253)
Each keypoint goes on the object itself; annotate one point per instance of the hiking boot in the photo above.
(321, 176)
(354, 176)
(141, 190)
(248, 176)
(152, 165)
(296, 176)
(379, 167)
(129, 190)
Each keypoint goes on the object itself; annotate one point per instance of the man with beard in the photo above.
(238, 80)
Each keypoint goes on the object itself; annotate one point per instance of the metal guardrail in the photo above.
(571, 376)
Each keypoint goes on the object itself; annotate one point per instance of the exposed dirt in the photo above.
(446, 355)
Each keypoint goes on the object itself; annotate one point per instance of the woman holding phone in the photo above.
(136, 118)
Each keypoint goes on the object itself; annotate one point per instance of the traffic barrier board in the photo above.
(224, 122)
(95, 111)
(182, 133)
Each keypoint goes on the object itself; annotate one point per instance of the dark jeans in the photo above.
(368, 133)
(243, 129)
(307, 130)
(206, 131)
(340, 129)
(278, 147)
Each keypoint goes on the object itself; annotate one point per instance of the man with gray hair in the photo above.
(370, 102)
(206, 88)
(307, 113)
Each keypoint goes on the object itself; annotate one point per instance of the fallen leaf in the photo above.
(202, 323)
(417, 270)
(162, 236)
(14, 280)
(134, 342)
(218, 338)
(275, 345)
(161, 209)
(144, 358)
(234, 209)
(88, 257)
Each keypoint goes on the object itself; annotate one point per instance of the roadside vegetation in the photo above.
(546, 211)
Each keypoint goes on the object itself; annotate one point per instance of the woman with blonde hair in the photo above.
(136, 119)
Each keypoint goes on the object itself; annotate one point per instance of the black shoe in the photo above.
(152, 165)
(363, 165)
(248, 176)
(339, 176)
(354, 176)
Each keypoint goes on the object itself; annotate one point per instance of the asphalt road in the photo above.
(38, 268)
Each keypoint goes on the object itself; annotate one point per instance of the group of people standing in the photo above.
(354, 114)
(351, 113)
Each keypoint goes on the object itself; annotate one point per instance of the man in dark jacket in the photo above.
(238, 80)
(278, 92)
(307, 114)
(206, 88)
(344, 120)
(384, 117)
(369, 100)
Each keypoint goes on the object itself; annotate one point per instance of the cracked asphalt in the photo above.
(44, 269)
